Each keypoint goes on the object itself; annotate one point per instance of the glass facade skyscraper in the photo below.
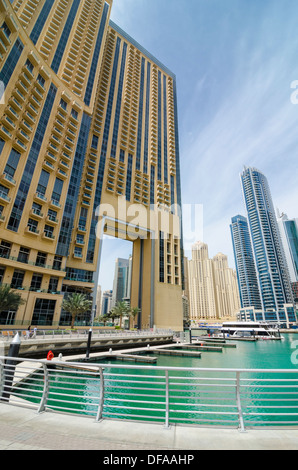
(244, 262)
(271, 267)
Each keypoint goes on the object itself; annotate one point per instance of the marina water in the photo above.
(267, 354)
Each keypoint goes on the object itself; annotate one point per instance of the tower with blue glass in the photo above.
(271, 267)
(244, 262)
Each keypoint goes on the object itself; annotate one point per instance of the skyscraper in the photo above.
(271, 268)
(122, 280)
(244, 262)
(289, 236)
(90, 118)
(213, 290)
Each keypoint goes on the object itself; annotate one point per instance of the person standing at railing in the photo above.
(28, 332)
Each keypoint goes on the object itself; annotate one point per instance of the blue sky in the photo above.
(234, 62)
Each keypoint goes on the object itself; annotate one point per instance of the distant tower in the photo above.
(122, 280)
(272, 272)
(289, 236)
(244, 262)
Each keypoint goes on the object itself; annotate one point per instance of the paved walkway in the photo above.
(25, 429)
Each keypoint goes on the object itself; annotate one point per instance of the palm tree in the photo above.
(133, 312)
(9, 298)
(120, 310)
(75, 304)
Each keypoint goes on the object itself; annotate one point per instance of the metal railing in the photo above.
(238, 398)
(96, 333)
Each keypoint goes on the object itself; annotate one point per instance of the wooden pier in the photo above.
(175, 352)
(200, 347)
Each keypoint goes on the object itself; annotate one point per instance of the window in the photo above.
(17, 279)
(63, 104)
(78, 252)
(52, 215)
(36, 208)
(53, 284)
(23, 254)
(80, 238)
(41, 259)
(12, 163)
(94, 143)
(29, 65)
(2, 271)
(49, 231)
(3, 191)
(43, 313)
(43, 182)
(74, 113)
(57, 190)
(5, 248)
(6, 29)
(40, 80)
(32, 225)
(36, 282)
(57, 262)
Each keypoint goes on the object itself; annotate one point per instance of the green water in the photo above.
(140, 394)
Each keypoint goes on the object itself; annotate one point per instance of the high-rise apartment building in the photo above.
(289, 235)
(213, 290)
(89, 120)
(106, 302)
(271, 268)
(244, 262)
(226, 287)
(122, 280)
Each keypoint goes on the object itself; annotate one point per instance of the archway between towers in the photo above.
(155, 289)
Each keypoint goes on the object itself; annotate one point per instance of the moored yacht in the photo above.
(249, 329)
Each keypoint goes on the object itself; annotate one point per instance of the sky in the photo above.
(234, 61)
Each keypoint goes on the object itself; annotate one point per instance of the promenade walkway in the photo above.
(25, 429)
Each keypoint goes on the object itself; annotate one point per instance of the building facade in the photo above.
(88, 132)
(212, 285)
(271, 267)
(122, 280)
(289, 235)
(244, 262)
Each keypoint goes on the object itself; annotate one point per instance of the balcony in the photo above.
(40, 197)
(4, 197)
(32, 230)
(7, 179)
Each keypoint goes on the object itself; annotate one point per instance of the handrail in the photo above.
(169, 395)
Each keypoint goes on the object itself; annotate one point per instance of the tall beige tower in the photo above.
(88, 140)
(226, 288)
(213, 287)
(201, 284)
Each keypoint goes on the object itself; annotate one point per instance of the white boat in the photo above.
(249, 330)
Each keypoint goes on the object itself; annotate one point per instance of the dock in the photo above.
(200, 347)
(223, 340)
(174, 352)
(133, 357)
(222, 345)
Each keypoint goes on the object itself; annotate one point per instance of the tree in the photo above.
(120, 309)
(103, 319)
(133, 312)
(75, 304)
(9, 298)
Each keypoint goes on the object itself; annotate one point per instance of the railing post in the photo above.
(2, 377)
(167, 400)
(45, 394)
(101, 396)
(240, 414)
